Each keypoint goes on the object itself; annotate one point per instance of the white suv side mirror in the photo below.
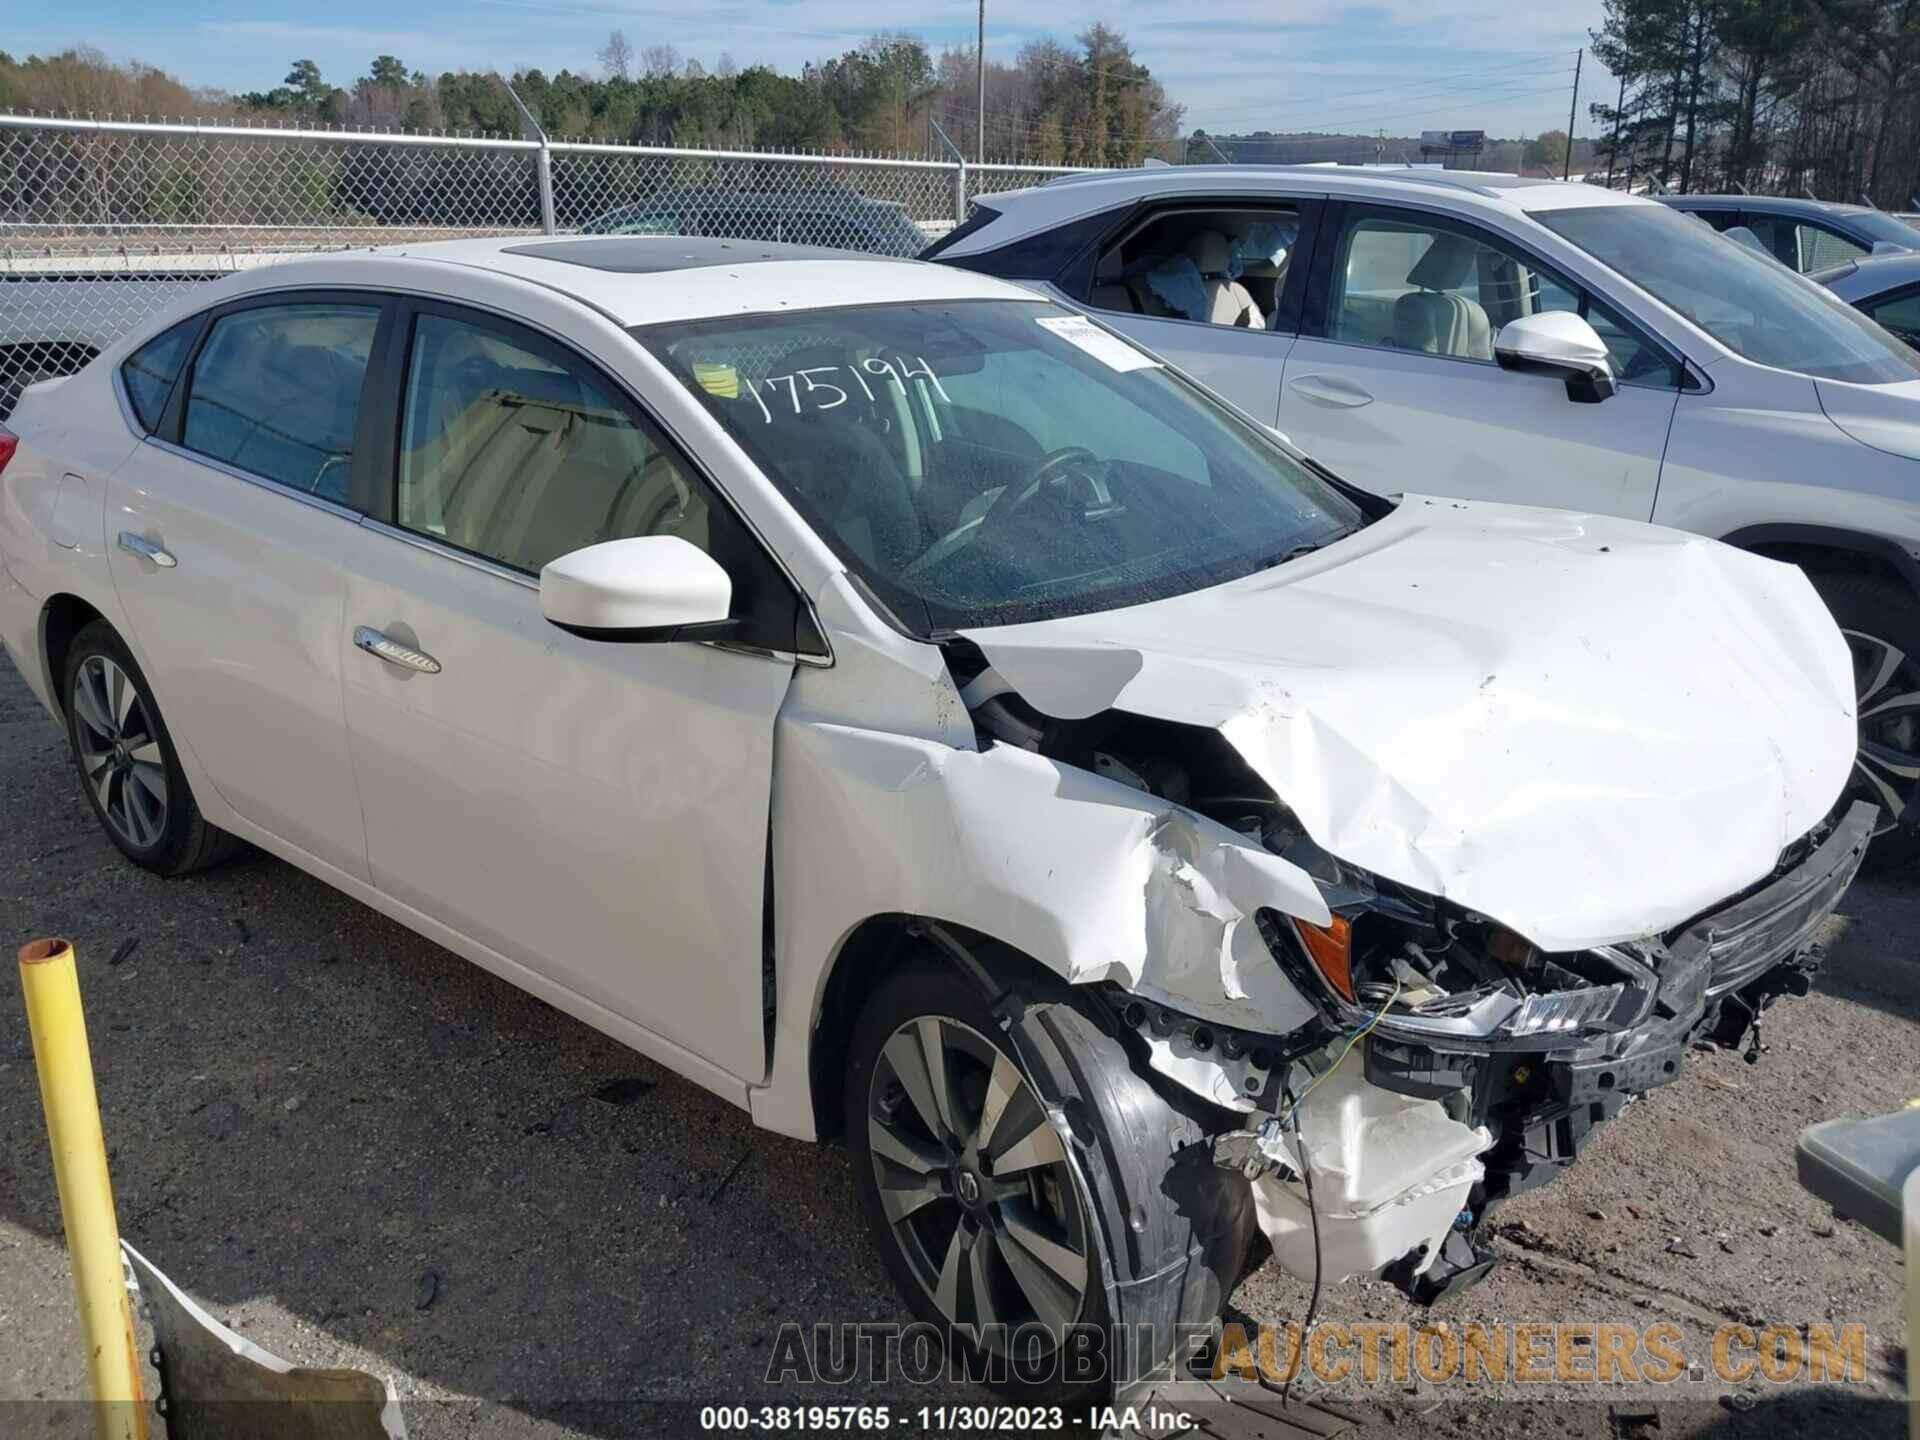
(1558, 342)
(652, 587)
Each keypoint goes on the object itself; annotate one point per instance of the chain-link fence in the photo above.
(104, 222)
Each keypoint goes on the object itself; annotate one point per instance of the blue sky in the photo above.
(1402, 65)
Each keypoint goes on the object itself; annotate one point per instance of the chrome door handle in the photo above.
(1330, 390)
(139, 545)
(393, 652)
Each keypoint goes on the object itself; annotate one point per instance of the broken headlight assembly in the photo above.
(1435, 973)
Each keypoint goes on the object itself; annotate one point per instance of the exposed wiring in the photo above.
(1313, 1301)
(1352, 1041)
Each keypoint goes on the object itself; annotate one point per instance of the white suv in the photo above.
(1451, 331)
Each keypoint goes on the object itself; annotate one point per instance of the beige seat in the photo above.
(1435, 319)
(1228, 302)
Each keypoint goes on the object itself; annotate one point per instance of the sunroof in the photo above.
(651, 254)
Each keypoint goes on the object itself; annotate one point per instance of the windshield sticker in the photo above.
(718, 380)
(815, 388)
(1083, 334)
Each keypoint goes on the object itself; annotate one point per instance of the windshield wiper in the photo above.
(1306, 547)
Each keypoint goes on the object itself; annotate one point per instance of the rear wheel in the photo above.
(1882, 627)
(126, 760)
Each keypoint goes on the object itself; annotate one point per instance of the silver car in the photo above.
(1526, 341)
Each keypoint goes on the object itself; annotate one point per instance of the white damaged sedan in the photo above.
(898, 704)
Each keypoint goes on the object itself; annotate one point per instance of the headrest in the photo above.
(1448, 263)
(1210, 253)
(309, 367)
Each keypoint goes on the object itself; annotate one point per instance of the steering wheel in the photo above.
(1004, 505)
(1032, 483)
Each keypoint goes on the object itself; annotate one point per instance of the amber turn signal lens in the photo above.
(1332, 951)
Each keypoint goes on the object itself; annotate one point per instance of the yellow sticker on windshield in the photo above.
(719, 380)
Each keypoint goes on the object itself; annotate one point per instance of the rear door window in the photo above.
(1217, 266)
(1900, 314)
(276, 389)
(1802, 246)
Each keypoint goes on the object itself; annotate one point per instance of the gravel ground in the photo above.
(311, 1111)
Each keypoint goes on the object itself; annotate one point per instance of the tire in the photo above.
(1882, 624)
(1163, 1231)
(127, 764)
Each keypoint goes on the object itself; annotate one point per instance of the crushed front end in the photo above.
(1461, 1066)
(1391, 1040)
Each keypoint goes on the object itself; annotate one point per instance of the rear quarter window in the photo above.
(150, 371)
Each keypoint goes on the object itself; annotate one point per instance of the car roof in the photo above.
(1765, 204)
(662, 279)
(1074, 197)
(1866, 276)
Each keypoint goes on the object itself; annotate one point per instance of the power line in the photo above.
(1513, 89)
(1431, 87)
(1534, 62)
(1421, 103)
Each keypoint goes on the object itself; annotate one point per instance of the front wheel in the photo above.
(1881, 624)
(126, 760)
(1013, 1204)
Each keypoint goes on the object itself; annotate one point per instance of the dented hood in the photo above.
(1587, 729)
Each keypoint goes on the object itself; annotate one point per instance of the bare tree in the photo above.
(616, 56)
(657, 62)
(725, 68)
(694, 70)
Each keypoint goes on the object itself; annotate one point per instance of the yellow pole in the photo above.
(86, 1195)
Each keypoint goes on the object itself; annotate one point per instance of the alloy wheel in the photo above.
(1887, 692)
(974, 1182)
(120, 751)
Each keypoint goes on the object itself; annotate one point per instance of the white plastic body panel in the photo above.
(1389, 1173)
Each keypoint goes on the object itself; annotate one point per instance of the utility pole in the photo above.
(980, 96)
(1573, 106)
(1613, 151)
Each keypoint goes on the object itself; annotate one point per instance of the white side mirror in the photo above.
(653, 587)
(1558, 342)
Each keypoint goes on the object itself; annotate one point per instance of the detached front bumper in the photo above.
(1721, 970)
(1471, 1123)
(1775, 923)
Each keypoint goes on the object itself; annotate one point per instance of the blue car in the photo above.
(1806, 235)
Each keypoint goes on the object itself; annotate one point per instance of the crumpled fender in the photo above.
(1089, 877)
